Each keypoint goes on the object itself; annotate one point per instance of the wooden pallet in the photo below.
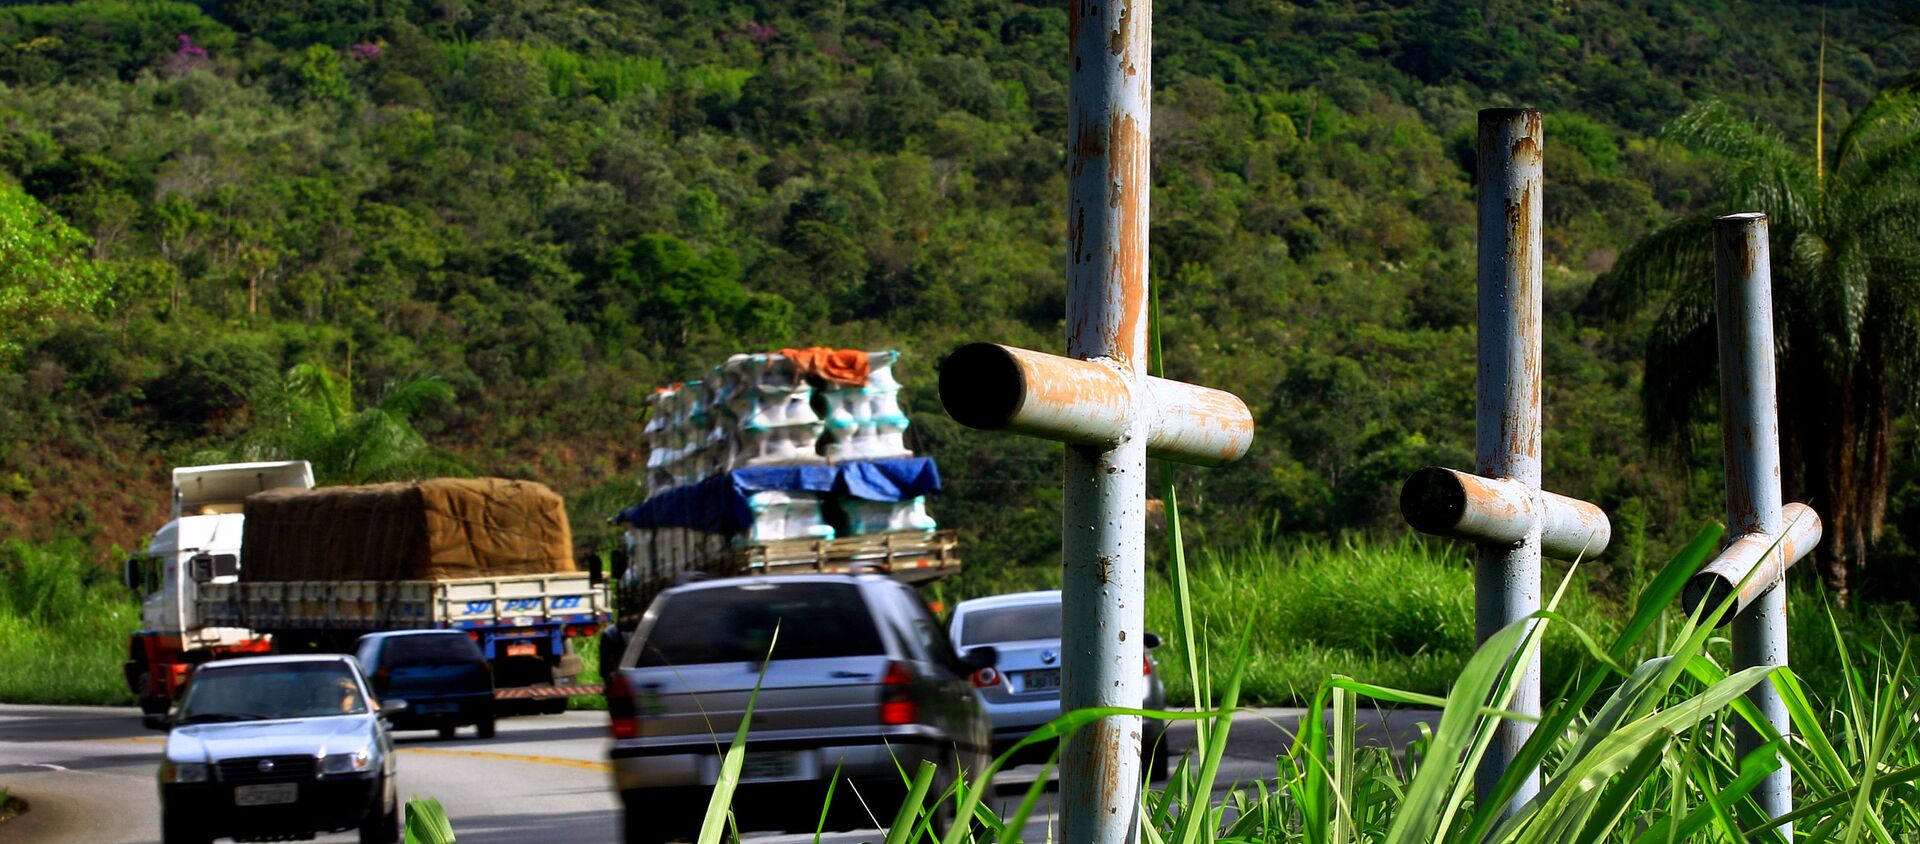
(908, 555)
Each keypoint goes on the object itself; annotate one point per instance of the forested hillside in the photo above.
(553, 207)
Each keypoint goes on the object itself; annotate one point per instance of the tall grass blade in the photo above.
(720, 804)
(906, 819)
(427, 822)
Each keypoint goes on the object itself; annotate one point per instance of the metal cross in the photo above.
(1101, 402)
(1502, 508)
(1765, 538)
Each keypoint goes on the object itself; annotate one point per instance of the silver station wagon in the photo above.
(1022, 691)
(277, 747)
(862, 681)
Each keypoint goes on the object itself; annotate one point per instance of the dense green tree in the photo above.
(1846, 274)
(44, 268)
(309, 414)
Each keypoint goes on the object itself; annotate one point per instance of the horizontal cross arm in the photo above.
(1082, 402)
(1502, 511)
(1767, 557)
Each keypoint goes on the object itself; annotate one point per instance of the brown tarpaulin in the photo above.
(838, 366)
(429, 530)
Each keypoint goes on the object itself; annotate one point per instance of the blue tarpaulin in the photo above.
(719, 504)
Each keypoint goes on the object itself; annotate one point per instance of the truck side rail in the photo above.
(912, 556)
(366, 605)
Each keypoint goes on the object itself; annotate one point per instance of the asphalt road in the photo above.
(88, 774)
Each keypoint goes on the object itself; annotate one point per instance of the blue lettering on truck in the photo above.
(478, 607)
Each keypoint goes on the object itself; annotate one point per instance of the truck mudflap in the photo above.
(542, 692)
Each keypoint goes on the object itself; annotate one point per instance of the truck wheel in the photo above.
(447, 731)
(485, 728)
(382, 824)
(551, 706)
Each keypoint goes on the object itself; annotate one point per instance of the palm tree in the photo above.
(1846, 273)
(308, 414)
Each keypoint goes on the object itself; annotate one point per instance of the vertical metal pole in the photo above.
(1750, 426)
(1103, 547)
(1507, 427)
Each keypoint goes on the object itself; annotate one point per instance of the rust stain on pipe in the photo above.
(1127, 164)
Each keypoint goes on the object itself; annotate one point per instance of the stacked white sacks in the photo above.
(759, 410)
(779, 514)
(868, 517)
(866, 423)
(771, 408)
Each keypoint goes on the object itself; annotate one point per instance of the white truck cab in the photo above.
(199, 544)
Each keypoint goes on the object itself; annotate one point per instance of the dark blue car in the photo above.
(441, 674)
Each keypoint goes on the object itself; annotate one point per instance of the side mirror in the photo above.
(130, 573)
(390, 708)
(1151, 640)
(156, 721)
(985, 656)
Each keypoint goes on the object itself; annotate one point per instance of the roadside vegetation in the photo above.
(64, 623)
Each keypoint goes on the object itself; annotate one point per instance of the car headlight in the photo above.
(182, 772)
(346, 763)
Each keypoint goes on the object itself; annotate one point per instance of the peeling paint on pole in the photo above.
(1103, 553)
(1507, 425)
(1750, 429)
(1099, 400)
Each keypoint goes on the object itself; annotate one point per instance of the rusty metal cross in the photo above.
(1764, 537)
(1502, 508)
(1101, 402)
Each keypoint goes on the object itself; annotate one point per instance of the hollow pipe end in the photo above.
(1741, 217)
(1433, 500)
(1705, 593)
(981, 386)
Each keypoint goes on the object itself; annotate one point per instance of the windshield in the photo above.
(1011, 624)
(279, 690)
(816, 620)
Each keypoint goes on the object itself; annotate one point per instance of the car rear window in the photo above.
(431, 650)
(736, 624)
(1011, 624)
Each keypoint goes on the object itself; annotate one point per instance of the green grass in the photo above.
(1635, 744)
(64, 625)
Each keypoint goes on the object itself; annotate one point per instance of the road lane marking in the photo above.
(583, 764)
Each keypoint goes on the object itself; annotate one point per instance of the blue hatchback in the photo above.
(441, 674)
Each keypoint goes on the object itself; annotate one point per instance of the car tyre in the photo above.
(177, 831)
(447, 731)
(648, 827)
(484, 728)
(382, 824)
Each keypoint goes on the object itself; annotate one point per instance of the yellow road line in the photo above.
(138, 739)
(512, 757)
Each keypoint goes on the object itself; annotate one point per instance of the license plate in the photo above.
(523, 649)
(266, 795)
(1040, 681)
(768, 766)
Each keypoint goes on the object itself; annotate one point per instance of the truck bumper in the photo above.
(780, 764)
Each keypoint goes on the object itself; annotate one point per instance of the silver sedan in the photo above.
(1023, 690)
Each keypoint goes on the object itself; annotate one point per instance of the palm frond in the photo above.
(1892, 115)
(1654, 266)
(1682, 355)
(413, 398)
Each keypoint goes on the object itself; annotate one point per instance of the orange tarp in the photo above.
(838, 366)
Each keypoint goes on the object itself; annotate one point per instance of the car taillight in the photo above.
(622, 720)
(985, 677)
(1146, 665)
(381, 679)
(896, 696)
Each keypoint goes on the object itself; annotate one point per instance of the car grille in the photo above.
(284, 768)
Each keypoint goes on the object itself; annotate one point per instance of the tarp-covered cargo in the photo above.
(438, 529)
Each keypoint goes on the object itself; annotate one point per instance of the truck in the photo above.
(199, 546)
(315, 569)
